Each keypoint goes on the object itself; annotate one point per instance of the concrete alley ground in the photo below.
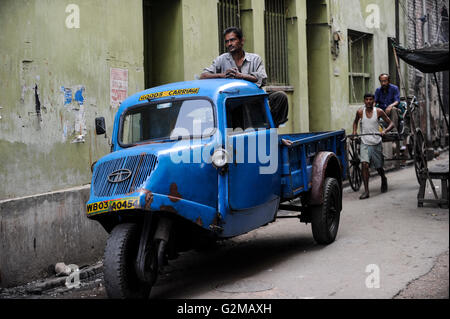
(385, 235)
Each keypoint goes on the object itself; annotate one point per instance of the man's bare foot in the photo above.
(364, 195)
(384, 185)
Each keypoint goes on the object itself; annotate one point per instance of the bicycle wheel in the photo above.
(354, 165)
(420, 158)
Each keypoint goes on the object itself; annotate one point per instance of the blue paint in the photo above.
(79, 96)
(67, 95)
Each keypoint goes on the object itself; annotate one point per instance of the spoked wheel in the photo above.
(420, 158)
(325, 218)
(121, 280)
(354, 165)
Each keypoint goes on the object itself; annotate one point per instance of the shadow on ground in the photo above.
(197, 272)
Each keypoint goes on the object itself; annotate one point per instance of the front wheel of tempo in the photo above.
(121, 281)
(325, 218)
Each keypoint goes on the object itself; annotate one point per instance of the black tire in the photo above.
(354, 173)
(121, 281)
(325, 218)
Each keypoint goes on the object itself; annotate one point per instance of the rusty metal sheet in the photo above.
(174, 195)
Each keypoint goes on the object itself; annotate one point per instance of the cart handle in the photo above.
(366, 134)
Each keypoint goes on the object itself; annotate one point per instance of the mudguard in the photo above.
(326, 164)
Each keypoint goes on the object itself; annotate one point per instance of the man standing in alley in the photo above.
(371, 146)
(387, 97)
(238, 64)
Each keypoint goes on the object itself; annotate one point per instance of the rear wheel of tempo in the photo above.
(420, 159)
(325, 218)
(121, 281)
(354, 166)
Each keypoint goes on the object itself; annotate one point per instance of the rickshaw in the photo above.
(410, 134)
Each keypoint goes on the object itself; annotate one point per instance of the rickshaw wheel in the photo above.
(325, 218)
(420, 159)
(354, 174)
(410, 146)
(121, 281)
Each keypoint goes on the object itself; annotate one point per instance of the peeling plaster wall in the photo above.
(54, 81)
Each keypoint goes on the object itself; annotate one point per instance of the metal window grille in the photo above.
(229, 16)
(275, 16)
(360, 51)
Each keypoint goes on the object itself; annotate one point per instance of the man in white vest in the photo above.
(372, 145)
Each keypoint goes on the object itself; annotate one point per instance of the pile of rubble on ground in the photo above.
(66, 278)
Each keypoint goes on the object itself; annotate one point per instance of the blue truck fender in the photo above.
(326, 164)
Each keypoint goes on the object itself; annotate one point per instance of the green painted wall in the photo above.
(200, 42)
(252, 24)
(333, 83)
(36, 153)
(298, 68)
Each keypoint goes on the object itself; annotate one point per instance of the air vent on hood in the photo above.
(140, 167)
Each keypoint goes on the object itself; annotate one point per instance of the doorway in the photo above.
(163, 42)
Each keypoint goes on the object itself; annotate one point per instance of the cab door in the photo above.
(253, 176)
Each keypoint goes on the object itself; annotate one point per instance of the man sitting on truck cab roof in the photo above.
(238, 64)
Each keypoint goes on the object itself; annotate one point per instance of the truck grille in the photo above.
(140, 166)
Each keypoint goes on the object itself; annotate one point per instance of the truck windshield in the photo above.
(193, 118)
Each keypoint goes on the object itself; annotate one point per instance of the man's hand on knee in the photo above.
(388, 110)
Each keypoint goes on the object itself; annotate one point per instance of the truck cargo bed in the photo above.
(297, 159)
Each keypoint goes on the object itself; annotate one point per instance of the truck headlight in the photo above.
(220, 158)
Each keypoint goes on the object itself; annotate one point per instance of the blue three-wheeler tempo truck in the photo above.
(196, 162)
